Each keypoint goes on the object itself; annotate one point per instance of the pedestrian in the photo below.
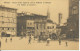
(6, 40)
(59, 42)
(39, 39)
(29, 40)
(0, 44)
(34, 37)
(48, 41)
(66, 43)
(11, 39)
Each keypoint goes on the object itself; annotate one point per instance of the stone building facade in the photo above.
(51, 27)
(8, 20)
(73, 20)
(31, 24)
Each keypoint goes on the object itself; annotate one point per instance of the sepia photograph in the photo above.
(39, 24)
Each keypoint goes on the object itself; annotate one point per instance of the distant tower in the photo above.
(60, 17)
(73, 19)
(73, 8)
(48, 14)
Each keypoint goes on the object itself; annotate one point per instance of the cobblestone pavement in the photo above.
(22, 44)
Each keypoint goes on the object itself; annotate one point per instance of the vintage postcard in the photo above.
(39, 24)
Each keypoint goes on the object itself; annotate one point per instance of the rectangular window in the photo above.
(53, 26)
(37, 26)
(8, 28)
(2, 28)
(13, 28)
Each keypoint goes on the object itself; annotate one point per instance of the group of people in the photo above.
(10, 40)
(48, 41)
(30, 39)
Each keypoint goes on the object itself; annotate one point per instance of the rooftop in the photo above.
(30, 14)
(1, 6)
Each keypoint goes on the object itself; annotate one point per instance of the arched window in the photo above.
(75, 10)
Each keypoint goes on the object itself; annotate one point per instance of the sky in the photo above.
(55, 7)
